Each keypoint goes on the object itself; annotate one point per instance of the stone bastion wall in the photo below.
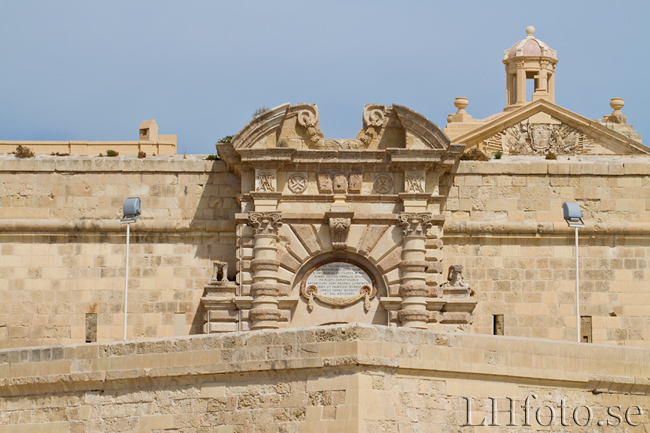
(352, 378)
(63, 246)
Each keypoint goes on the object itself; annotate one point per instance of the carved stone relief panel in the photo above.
(265, 180)
(355, 183)
(324, 183)
(527, 138)
(297, 182)
(340, 183)
(383, 183)
(414, 181)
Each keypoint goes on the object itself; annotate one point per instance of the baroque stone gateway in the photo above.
(389, 282)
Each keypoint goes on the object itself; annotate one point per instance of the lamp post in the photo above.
(131, 211)
(573, 217)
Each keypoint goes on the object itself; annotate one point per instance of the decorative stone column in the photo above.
(414, 290)
(265, 312)
(520, 91)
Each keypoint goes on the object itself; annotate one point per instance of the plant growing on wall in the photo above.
(110, 152)
(260, 111)
(226, 139)
(474, 154)
(23, 152)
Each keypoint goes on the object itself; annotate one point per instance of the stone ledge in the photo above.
(364, 347)
(129, 163)
(93, 226)
(596, 165)
(550, 228)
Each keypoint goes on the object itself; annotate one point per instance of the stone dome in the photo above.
(529, 47)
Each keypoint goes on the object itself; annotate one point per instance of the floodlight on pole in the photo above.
(573, 217)
(131, 212)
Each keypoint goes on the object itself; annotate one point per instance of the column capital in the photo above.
(265, 223)
(415, 224)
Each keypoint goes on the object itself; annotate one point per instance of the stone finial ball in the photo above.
(530, 30)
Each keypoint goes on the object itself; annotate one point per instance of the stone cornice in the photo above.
(321, 218)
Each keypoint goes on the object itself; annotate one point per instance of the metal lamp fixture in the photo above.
(573, 217)
(131, 211)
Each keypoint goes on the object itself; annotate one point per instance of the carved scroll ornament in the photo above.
(311, 292)
(374, 118)
(308, 118)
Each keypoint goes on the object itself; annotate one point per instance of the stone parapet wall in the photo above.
(63, 246)
(353, 378)
(151, 148)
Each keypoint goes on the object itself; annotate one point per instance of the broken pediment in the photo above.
(297, 127)
(543, 127)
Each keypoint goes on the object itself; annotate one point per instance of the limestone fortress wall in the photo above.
(63, 247)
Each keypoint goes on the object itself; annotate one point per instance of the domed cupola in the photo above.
(529, 59)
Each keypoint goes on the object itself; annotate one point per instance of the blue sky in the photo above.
(80, 70)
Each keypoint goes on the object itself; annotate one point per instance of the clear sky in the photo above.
(87, 70)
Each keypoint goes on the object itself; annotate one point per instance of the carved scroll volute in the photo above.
(265, 223)
(415, 224)
(339, 228)
(308, 118)
(374, 118)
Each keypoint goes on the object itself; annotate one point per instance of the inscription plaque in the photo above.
(339, 284)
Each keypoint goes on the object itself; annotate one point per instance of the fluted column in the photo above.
(265, 290)
(414, 289)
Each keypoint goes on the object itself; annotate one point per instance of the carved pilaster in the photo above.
(265, 291)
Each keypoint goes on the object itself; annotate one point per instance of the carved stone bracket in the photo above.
(339, 223)
(265, 223)
(415, 224)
